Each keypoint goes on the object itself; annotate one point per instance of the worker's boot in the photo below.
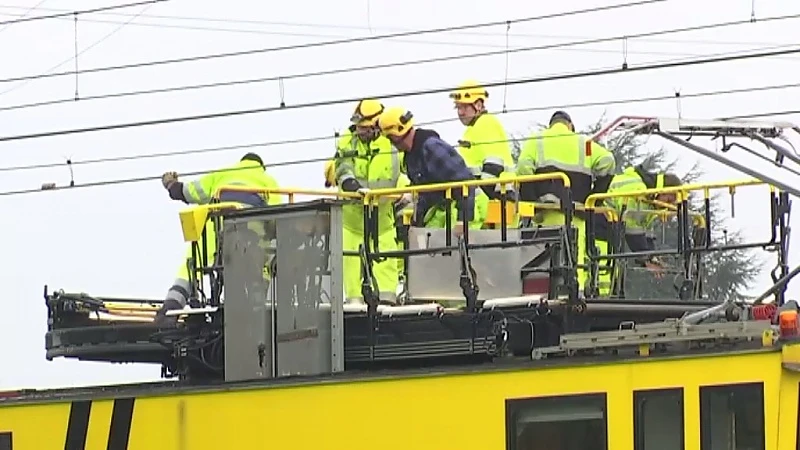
(162, 319)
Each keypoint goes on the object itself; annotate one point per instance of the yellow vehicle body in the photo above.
(483, 409)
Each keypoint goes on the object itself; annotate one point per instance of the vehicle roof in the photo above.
(161, 388)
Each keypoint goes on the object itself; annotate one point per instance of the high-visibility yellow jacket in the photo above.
(558, 149)
(486, 148)
(638, 216)
(375, 165)
(245, 174)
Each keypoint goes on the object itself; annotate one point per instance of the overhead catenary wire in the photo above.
(23, 15)
(305, 140)
(402, 64)
(80, 12)
(459, 43)
(78, 53)
(142, 179)
(522, 81)
(239, 21)
(332, 42)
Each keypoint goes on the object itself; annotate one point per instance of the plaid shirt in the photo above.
(432, 160)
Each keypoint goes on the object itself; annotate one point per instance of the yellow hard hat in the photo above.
(330, 178)
(367, 112)
(469, 92)
(395, 121)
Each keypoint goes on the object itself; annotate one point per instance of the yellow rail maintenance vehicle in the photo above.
(501, 342)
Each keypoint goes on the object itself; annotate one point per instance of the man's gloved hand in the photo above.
(168, 178)
(404, 201)
(351, 185)
(363, 191)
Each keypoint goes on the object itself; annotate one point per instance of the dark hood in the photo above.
(421, 136)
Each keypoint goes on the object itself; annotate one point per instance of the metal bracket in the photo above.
(670, 331)
(467, 280)
(762, 132)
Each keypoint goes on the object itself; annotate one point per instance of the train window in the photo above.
(6, 441)
(732, 417)
(575, 422)
(658, 419)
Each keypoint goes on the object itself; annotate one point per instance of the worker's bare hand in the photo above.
(656, 269)
(168, 178)
(458, 229)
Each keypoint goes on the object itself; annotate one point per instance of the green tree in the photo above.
(726, 274)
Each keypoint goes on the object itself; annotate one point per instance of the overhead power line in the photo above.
(223, 20)
(559, 77)
(78, 53)
(333, 42)
(403, 64)
(306, 140)
(27, 12)
(322, 138)
(80, 12)
(120, 181)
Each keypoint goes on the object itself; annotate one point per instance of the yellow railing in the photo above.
(291, 193)
(514, 210)
(665, 210)
(683, 191)
(465, 185)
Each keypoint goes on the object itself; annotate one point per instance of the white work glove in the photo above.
(363, 191)
(168, 178)
(404, 200)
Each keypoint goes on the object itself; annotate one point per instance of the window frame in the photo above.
(515, 406)
(638, 425)
(730, 387)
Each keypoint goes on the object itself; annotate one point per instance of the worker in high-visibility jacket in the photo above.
(484, 146)
(366, 160)
(637, 215)
(430, 160)
(589, 166)
(248, 172)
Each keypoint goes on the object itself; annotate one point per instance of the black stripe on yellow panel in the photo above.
(78, 425)
(6, 441)
(120, 429)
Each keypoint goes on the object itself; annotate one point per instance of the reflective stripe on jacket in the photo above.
(557, 149)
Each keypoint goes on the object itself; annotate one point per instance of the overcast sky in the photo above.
(125, 240)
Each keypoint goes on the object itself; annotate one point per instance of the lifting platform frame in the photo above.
(691, 246)
(563, 296)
